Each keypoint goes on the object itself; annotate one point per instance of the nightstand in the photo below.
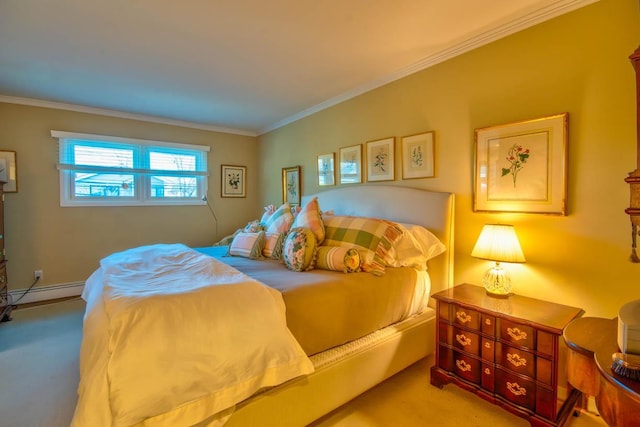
(505, 350)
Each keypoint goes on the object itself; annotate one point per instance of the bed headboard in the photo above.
(432, 210)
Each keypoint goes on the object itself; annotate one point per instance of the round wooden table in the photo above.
(591, 341)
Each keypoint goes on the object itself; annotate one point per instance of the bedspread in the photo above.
(172, 336)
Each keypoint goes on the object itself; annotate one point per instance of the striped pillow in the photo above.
(247, 245)
(338, 258)
(280, 221)
(273, 245)
(309, 217)
(372, 238)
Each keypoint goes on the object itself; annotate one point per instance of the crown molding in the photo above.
(121, 114)
(536, 17)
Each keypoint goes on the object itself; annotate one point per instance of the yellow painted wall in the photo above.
(576, 63)
(67, 243)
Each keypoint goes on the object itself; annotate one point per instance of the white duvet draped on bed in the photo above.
(172, 336)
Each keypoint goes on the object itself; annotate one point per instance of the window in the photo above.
(105, 171)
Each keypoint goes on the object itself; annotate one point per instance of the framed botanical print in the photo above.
(522, 166)
(351, 164)
(9, 171)
(233, 181)
(291, 185)
(326, 169)
(381, 159)
(417, 156)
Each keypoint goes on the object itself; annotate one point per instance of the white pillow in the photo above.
(414, 248)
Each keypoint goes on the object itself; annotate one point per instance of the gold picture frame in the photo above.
(418, 156)
(326, 169)
(291, 185)
(381, 160)
(233, 181)
(522, 166)
(351, 164)
(9, 171)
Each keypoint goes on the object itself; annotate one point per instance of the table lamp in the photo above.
(499, 243)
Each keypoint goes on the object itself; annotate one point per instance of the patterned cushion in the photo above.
(299, 249)
(309, 217)
(253, 227)
(248, 245)
(338, 258)
(280, 221)
(273, 245)
(370, 236)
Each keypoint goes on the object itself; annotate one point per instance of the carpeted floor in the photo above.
(39, 375)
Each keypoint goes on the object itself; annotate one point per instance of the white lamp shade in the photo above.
(498, 242)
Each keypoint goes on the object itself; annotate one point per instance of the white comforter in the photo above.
(172, 336)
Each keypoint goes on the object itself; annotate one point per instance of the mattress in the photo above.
(325, 309)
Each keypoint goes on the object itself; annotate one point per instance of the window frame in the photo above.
(141, 171)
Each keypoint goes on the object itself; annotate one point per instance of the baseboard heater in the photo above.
(44, 293)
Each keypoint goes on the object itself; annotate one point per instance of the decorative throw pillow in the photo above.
(273, 245)
(299, 249)
(268, 211)
(338, 258)
(280, 221)
(253, 227)
(372, 238)
(309, 217)
(247, 245)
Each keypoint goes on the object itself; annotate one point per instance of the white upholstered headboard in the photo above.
(432, 210)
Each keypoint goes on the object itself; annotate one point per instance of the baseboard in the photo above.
(44, 293)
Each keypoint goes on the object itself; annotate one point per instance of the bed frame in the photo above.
(344, 373)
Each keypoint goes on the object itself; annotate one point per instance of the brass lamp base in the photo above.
(497, 282)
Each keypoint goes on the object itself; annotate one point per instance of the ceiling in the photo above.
(243, 66)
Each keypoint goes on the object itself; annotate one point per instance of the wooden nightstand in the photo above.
(507, 351)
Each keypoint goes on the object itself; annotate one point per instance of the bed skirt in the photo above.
(341, 374)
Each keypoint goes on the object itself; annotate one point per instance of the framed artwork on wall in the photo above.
(291, 185)
(522, 166)
(9, 171)
(381, 159)
(326, 169)
(351, 164)
(418, 156)
(233, 181)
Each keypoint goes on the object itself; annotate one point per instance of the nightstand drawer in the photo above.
(515, 388)
(516, 360)
(464, 317)
(460, 338)
(488, 324)
(517, 334)
(462, 365)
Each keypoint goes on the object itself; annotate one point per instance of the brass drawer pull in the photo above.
(463, 317)
(487, 322)
(517, 334)
(487, 371)
(516, 360)
(463, 366)
(487, 344)
(462, 339)
(516, 389)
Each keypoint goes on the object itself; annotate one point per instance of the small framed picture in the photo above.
(351, 164)
(381, 159)
(326, 170)
(522, 166)
(9, 171)
(291, 185)
(233, 181)
(417, 156)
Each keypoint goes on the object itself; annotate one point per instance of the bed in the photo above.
(322, 370)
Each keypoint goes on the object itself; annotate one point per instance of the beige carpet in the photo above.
(39, 376)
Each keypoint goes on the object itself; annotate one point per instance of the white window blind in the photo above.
(98, 170)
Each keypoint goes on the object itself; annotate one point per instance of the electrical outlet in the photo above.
(37, 274)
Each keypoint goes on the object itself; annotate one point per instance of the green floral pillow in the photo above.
(299, 249)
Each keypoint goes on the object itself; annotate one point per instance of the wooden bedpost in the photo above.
(634, 177)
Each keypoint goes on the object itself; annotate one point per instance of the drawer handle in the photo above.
(463, 366)
(487, 371)
(463, 317)
(487, 344)
(462, 339)
(516, 389)
(517, 334)
(516, 360)
(2, 278)
(487, 322)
